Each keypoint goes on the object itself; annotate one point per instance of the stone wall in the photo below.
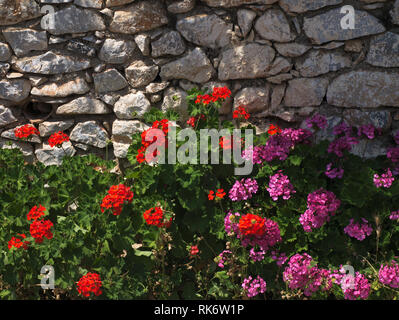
(93, 67)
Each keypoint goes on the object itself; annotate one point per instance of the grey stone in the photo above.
(114, 3)
(384, 50)
(277, 96)
(4, 68)
(25, 148)
(23, 40)
(395, 13)
(248, 61)
(138, 17)
(176, 99)
(301, 6)
(245, 19)
(132, 106)
(254, 99)
(109, 80)
(54, 155)
(273, 25)
(181, 6)
(120, 149)
(193, 66)
(364, 89)
(37, 81)
(89, 133)
(156, 87)
(330, 46)
(280, 78)
(305, 92)
(97, 4)
(279, 65)
(6, 116)
(379, 119)
(170, 43)
(81, 48)
(143, 43)
(205, 30)
(291, 49)
(47, 128)
(51, 63)
(126, 128)
(371, 148)
(12, 11)
(353, 45)
(327, 26)
(116, 51)
(235, 3)
(83, 105)
(14, 90)
(75, 20)
(141, 74)
(5, 52)
(318, 62)
(62, 89)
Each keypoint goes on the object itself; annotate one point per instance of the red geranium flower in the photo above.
(18, 243)
(194, 250)
(115, 199)
(240, 113)
(57, 139)
(162, 125)
(90, 283)
(25, 131)
(211, 195)
(35, 213)
(220, 193)
(252, 225)
(40, 229)
(273, 129)
(155, 217)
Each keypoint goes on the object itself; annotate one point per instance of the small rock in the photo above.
(62, 89)
(274, 26)
(114, 3)
(176, 99)
(395, 13)
(305, 92)
(291, 49)
(143, 43)
(5, 52)
(54, 155)
(254, 99)
(181, 6)
(301, 6)
(245, 19)
(132, 106)
(156, 87)
(170, 43)
(353, 45)
(141, 74)
(14, 90)
(6, 116)
(384, 50)
(116, 51)
(23, 40)
(83, 105)
(89, 133)
(96, 4)
(47, 128)
(12, 12)
(109, 80)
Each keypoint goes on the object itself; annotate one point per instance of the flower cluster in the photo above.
(385, 180)
(303, 274)
(273, 129)
(25, 131)
(317, 120)
(161, 125)
(353, 286)
(221, 258)
(243, 189)
(194, 250)
(333, 173)
(357, 230)
(280, 185)
(241, 113)
(155, 217)
(368, 130)
(192, 121)
(393, 154)
(218, 93)
(342, 128)
(280, 258)
(394, 215)
(57, 139)
(40, 229)
(218, 195)
(389, 274)
(116, 197)
(35, 213)
(18, 243)
(252, 225)
(321, 204)
(231, 223)
(253, 287)
(257, 255)
(90, 283)
(343, 143)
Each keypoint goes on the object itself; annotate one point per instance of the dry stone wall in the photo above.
(92, 68)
